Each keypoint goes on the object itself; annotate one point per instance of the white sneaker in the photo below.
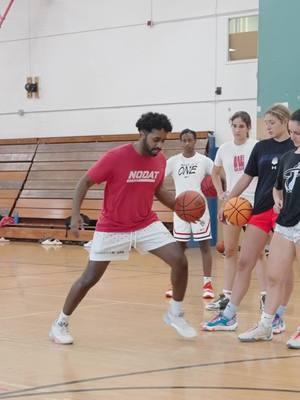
(56, 242)
(47, 242)
(294, 341)
(59, 333)
(257, 333)
(180, 324)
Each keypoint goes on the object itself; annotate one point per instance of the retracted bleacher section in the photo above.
(15, 162)
(37, 182)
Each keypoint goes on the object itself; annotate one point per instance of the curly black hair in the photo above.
(150, 121)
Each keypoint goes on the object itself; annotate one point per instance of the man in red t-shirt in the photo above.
(133, 174)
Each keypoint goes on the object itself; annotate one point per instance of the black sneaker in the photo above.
(219, 304)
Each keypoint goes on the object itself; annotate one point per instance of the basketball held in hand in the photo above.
(208, 188)
(190, 206)
(237, 211)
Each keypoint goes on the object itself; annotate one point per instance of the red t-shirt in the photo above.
(131, 181)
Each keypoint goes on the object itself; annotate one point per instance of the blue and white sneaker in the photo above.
(220, 323)
(278, 325)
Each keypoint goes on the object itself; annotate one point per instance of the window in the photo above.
(242, 40)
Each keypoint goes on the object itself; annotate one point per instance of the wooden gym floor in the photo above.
(123, 349)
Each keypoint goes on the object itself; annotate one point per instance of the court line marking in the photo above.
(100, 302)
(31, 391)
(14, 384)
(128, 388)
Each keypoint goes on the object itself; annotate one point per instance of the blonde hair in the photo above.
(280, 112)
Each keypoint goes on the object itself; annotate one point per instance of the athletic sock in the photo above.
(63, 318)
(175, 307)
(230, 311)
(206, 279)
(227, 293)
(280, 311)
(266, 319)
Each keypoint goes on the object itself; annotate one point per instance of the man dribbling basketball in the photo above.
(133, 174)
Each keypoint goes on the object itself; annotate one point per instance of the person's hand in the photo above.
(194, 221)
(222, 196)
(278, 205)
(76, 224)
(221, 214)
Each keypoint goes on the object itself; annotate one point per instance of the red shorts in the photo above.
(265, 220)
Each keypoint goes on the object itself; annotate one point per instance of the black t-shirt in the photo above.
(263, 163)
(288, 180)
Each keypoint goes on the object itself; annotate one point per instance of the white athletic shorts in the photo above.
(109, 246)
(184, 231)
(291, 233)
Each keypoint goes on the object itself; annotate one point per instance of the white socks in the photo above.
(206, 279)
(230, 311)
(175, 307)
(266, 319)
(280, 311)
(63, 319)
(227, 293)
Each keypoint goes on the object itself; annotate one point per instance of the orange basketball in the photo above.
(237, 211)
(208, 188)
(190, 205)
(220, 247)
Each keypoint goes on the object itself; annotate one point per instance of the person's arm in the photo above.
(278, 199)
(240, 186)
(80, 191)
(166, 197)
(278, 188)
(169, 167)
(216, 176)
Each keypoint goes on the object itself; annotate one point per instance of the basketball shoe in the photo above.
(208, 292)
(278, 325)
(259, 332)
(219, 304)
(294, 341)
(59, 333)
(180, 325)
(220, 323)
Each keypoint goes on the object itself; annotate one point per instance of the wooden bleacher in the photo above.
(15, 162)
(37, 181)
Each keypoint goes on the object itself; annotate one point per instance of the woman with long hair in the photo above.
(263, 163)
(232, 157)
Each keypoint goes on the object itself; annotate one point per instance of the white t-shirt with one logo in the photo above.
(188, 172)
(234, 158)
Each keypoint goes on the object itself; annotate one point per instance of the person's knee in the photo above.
(273, 280)
(89, 278)
(88, 281)
(230, 251)
(243, 264)
(178, 260)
